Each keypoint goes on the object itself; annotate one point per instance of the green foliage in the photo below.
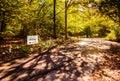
(111, 8)
(116, 29)
(8, 33)
(25, 49)
(111, 36)
(103, 31)
(87, 31)
(44, 45)
(30, 17)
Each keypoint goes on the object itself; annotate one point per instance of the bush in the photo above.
(25, 49)
(111, 36)
(8, 33)
(44, 45)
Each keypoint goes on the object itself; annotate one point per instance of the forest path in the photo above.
(90, 59)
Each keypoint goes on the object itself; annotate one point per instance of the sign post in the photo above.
(32, 39)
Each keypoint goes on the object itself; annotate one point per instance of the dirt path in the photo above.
(90, 59)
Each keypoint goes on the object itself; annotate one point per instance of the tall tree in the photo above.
(67, 5)
(66, 19)
(54, 19)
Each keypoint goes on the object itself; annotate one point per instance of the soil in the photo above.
(90, 59)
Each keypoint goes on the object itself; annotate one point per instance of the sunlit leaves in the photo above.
(28, 15)
(111, 9)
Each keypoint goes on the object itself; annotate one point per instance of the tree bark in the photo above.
(3, 24)
(54, 20)
(66, 36)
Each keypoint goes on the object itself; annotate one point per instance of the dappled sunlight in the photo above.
(21, 76)
(82, 43)
(104, 47)
(69, 62)
(62, 64)
(59, 40)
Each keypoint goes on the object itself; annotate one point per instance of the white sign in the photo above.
(32, 39)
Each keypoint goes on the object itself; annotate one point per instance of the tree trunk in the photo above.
(3, 24)
(66, 36)
(54, 19)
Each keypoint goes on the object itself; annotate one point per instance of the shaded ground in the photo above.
(15, 44)
(88, 60)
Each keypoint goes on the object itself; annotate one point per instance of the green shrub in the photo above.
(111, 36)
(44, 45)
(25, 49)
(8, 33)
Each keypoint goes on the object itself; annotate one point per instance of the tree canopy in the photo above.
(49, 18)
